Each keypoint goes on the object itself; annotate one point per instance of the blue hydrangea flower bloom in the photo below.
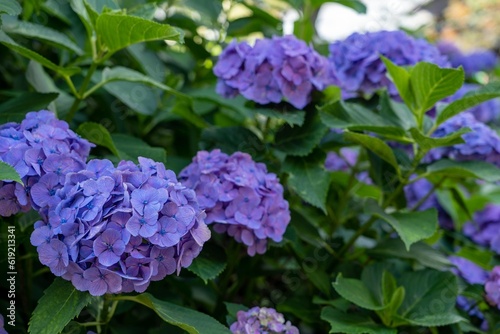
(273, 69)
(485, 229)
(492, 287)
(111, 230)
(357, 67)
(482, 143)
(485, 112)
(239, 196)
(262, 320)
(41, 149)
(476, 61)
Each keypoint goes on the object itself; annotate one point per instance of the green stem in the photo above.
(80, 95)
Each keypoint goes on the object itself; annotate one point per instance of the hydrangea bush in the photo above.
(189, 167)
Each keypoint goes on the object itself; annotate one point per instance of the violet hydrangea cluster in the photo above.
(482, 143)
(358, 69)
(473, 62)
(2, 325)
(485, 112)
(239, 196)
(112, 230)
(42, 149)
(273, 69)
(262, 320)
(492, 287)
(485, 228)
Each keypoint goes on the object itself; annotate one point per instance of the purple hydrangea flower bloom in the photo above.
(262, 320)
(482, 143)
(485, 112)
(357, 67)
(41, 149)
(239, 196)
(111, 230)
(485, 229)
(273, 69)
(476, 61)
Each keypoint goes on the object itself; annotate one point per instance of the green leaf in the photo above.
(9, 173)
(469, 100)
(37, 31)
(294, 117)
(357, 292)
(430, 298)
(374, 144)
(463, 169)
(60, 303)
(10, 7)
(352, 323)
(132, 30)
(98, 134)
(232, 139)
(411, 226)
(8, 42)
(190, 320)
(480, 257)
(430, 84)
(352, 116)
(300, 141)
(308, 178)
(130, 148)
(401, 78)
(419, 252)
(428, 143)
(15, 109)
(43, 83)
(184, 108)
(210, 263)
(120, 73)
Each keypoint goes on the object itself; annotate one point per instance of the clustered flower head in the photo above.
(472, 274)
(262, 320)
(239, 196)
(481, 143)
(42, 149)
(492, 287)
(415, 193)
(485, 229)
(112, 230)
(477, 61)
(273, 69)
(358, 69)
(485, 112)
